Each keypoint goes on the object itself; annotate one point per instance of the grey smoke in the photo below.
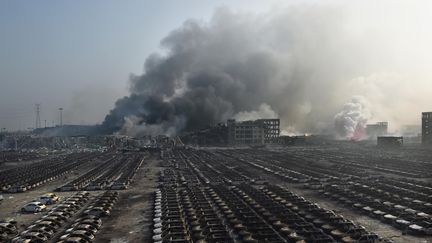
(264, 111)
(300, 62)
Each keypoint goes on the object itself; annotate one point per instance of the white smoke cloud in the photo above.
(350, 123)
(395, 98)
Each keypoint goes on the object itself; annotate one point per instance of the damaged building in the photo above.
(209, 136)
(261, 131)
(376, 130)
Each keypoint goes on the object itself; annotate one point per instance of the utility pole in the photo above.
(38, 121)
(61, 116)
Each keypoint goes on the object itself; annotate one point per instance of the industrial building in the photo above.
(377, 129)
(262, 131)
(389, 141)
(209, 136)
(427, 128)
(67, 130)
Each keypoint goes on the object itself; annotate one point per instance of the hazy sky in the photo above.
(79, 54)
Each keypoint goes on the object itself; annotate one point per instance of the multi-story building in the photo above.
(427, 128)
(262, 131)
(375, 130)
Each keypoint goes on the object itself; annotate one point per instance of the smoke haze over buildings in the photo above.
(303, 63)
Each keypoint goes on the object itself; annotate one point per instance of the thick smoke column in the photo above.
(234, 65)
(300, 63)
(350, 123)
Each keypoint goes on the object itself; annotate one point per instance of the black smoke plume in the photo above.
(298, 63)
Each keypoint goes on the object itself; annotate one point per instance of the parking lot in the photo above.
(66, 218)
(311, 194)
(280, 194)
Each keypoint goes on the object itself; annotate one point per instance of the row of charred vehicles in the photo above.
(402, 202)
(105, 171)
(191, 205)
(32, 175)
(115, 172)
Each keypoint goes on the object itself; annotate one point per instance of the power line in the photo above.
(61, 116)
(38, 120)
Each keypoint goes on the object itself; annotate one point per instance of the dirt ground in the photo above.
(131, 218)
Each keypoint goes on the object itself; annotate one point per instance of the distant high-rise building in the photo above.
(427, 128)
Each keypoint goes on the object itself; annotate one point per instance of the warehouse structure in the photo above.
(389, 141)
